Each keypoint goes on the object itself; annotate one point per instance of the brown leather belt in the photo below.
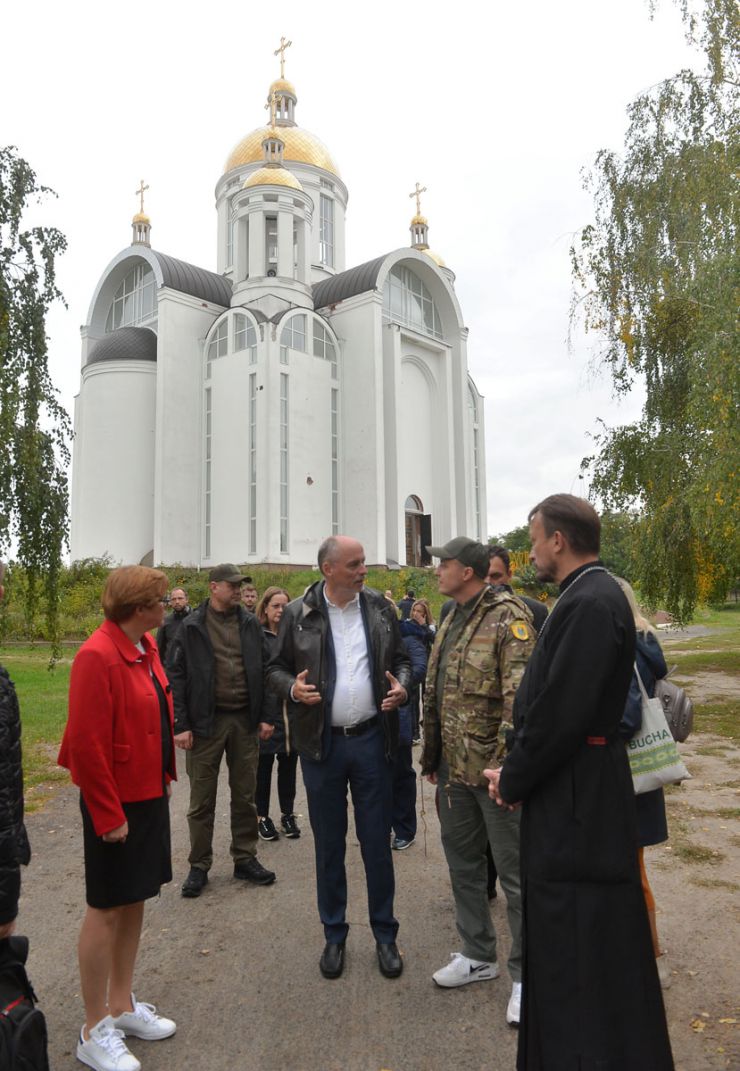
(355, 730)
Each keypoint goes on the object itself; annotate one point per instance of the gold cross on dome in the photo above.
(140, 194)
(281, 52)
(417, 194)
(272, 102)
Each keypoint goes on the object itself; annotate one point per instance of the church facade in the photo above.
(245, 414)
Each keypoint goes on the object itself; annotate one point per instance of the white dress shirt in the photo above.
(354, 700)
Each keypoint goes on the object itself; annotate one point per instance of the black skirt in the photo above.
(118, 874)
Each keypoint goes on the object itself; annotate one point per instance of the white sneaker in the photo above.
(461, 970)
(514, 1007)
(143, 1022)
(105, 1049)
(664, 972)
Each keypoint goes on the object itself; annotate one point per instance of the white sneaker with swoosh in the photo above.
(461, 970)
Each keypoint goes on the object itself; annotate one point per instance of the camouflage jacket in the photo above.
(484, 669)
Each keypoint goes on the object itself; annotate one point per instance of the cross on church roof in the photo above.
(140, 194)
(281, 52)
(417, 194)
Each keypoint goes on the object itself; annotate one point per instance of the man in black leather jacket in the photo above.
(340, 662)
(168, 630)
(14, 849)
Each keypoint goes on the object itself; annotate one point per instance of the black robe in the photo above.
(591, 996)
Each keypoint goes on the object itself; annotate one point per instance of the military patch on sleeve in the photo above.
(519, 630)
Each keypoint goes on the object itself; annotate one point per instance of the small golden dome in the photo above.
(435, 257)
(273, 176)
(301, 147)
(419, 220)
(282, 85)
(141, 217)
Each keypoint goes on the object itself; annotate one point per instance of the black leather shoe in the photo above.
(331, 963)
(194, 883)
(389, 959)
(252, 870)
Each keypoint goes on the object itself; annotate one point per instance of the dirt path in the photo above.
(238, 968)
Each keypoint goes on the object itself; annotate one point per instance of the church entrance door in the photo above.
(418, 532)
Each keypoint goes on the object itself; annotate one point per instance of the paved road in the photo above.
(238, 968)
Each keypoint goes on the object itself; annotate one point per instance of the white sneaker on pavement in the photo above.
(143, 1022)
(514, 1007)
(461, 970)
(105, 1049)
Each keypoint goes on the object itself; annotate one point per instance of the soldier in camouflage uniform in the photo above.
(477, 662)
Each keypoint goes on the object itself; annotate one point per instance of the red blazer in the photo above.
(112, 745)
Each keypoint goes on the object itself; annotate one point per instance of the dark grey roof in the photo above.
(197, 282)
(347, 283)
(125, 344)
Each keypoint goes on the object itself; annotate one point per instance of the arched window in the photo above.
(134, 301)
(293, 336)
(323, 346)
(407, 301)
(245, 336)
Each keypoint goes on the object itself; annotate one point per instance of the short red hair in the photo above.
(128, 588)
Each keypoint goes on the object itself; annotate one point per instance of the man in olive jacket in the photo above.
(340, 662)
(216, 672)
(477, 661)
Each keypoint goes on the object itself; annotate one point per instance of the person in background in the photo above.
(420, 626)
(277, 745)
(499, 573)
(167, 634)
(118, 747)
(403, 817)
(406, 604)
(249, 595)
(652, 827)
(14, 848)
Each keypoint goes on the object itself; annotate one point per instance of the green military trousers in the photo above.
(232, 736)
(468, 818)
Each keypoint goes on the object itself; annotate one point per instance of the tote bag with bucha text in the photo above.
(652, 752)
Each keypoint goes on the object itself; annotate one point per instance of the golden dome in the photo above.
(141, 217)
(282, 85)
(273, 176)
(301, 147)
(435, 257)
(419, 220)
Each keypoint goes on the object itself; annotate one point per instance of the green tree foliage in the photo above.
(516, 539)
(656, 275)
(34, 428)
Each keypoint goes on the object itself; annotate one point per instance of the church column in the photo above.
(256, 243)
(285, 242)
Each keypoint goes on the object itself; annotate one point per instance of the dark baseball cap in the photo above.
(227, 572)
(467, 552)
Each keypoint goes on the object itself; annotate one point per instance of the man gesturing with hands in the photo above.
(340, 663)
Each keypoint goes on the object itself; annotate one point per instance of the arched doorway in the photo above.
(418, 532)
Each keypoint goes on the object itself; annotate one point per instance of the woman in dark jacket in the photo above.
(652, 826)
(277, 744)
(420, 626)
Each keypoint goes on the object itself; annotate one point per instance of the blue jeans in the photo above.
(360, 763)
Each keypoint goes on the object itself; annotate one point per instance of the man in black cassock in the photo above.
(591, 996)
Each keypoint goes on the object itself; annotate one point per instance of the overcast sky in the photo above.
(495, 107)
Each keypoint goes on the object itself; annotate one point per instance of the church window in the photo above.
(326, 231)
(207, 474)
(135, 300)
(475, 428)
(218, 346)
(283, 463)
(324, 347)
(406, 300)
(271, 245)
(334, 462)
(293, 336)
(245, 337)
(253, 463)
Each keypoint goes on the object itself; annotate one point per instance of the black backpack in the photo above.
(23, 1038)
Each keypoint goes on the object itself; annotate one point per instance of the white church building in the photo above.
(245, 414)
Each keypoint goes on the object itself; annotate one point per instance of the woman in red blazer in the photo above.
(118, 747)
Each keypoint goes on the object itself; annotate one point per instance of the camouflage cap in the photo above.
(467, 552)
